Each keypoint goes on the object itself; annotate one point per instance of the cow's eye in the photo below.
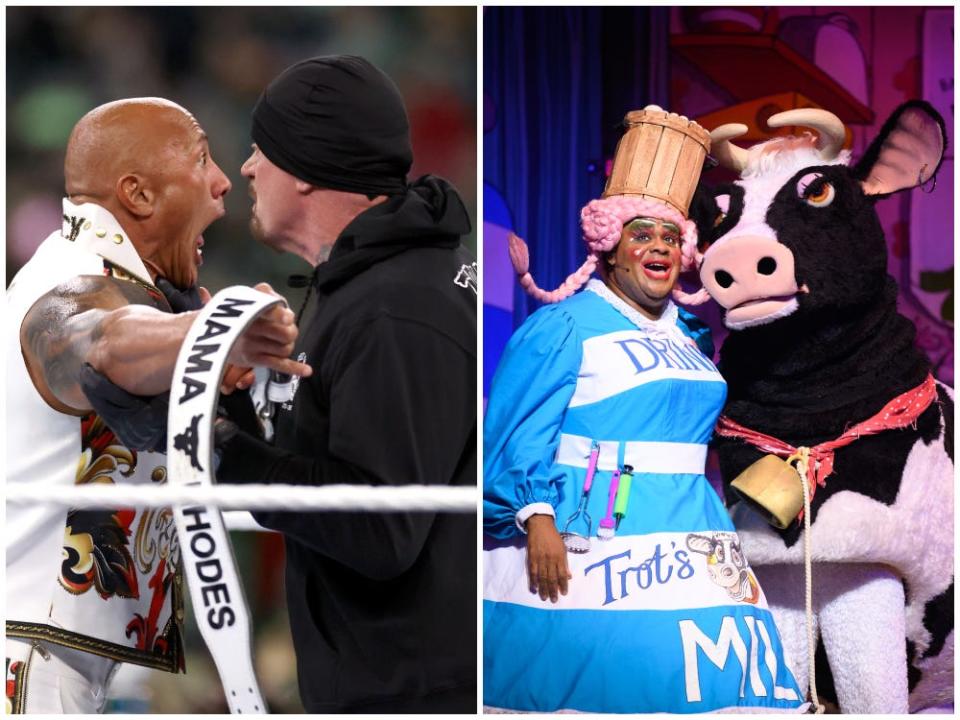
(815, 191)
(822, 196)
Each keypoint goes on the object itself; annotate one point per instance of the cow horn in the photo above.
(828, 126)
(729, 155)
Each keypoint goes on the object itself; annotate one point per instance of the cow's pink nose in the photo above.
(746, 274)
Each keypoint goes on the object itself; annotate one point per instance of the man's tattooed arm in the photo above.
(115, 325)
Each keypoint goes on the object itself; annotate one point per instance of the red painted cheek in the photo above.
(636, 253)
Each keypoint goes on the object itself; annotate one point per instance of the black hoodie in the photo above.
(382, 605)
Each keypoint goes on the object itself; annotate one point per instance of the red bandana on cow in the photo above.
(903, 410)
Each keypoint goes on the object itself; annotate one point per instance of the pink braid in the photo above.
(695, 298)
(602, 223)
(520, 258)
(698, 297)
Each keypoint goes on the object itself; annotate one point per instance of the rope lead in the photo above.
(802, 459)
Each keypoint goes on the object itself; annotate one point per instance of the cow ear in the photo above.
(907, 152)
(704, 211)
(699, 544)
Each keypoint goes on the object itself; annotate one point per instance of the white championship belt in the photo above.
(206, 552)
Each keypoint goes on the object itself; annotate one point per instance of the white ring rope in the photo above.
(301, 498)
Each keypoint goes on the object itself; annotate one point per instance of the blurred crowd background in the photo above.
(215, 61)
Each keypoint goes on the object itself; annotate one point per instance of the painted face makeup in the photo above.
(642, 233)
(646, 263)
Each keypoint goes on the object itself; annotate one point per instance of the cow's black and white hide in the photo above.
(795, 253)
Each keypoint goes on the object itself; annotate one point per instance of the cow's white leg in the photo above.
(783, 587)
(862, 621)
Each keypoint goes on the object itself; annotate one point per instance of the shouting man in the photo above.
(93, 334)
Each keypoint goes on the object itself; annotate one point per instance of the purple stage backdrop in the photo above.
(557, 81)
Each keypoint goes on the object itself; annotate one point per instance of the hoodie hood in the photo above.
(429, 213)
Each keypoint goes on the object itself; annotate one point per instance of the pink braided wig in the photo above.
(602, 223)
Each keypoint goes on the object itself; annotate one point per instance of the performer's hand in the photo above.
(546, 558)
(236, 378)
(269, 340)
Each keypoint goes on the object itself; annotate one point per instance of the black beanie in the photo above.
(336, 122)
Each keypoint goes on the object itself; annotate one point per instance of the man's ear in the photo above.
(135, 195)
(303, 187)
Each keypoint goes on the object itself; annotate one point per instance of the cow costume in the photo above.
(820, 359)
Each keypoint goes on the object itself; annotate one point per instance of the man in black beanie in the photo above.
(382, 606)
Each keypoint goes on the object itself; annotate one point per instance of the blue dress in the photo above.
(666, 615)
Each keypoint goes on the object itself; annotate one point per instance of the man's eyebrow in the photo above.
(670, 226)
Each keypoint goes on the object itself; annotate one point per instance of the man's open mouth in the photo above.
(657, 269)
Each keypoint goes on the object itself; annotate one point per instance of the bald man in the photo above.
(97, 317)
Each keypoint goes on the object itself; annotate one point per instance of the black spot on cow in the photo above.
(913, 673)
(848, 232)
(711, 222)
(826, 691)
(938, 619)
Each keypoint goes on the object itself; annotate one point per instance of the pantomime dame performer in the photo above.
(613, 578)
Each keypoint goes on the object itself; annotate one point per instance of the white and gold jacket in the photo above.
(106, 582)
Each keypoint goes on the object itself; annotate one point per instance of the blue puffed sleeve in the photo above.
(695, 328)
(529, 395)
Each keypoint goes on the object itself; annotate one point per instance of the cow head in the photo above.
(798, 231)
(726, 564)
(724, 558)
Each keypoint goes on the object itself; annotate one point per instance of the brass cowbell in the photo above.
(773, 488)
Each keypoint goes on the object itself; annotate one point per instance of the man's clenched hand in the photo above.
(267, 342)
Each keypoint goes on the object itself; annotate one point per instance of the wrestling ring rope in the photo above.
(299, 498)
(197, 502)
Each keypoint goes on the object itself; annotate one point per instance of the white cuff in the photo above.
(538, 508)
